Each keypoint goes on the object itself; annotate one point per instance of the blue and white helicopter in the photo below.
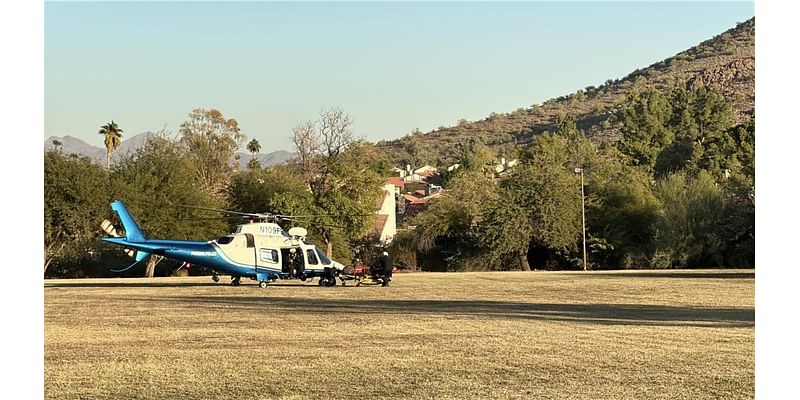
(260, 250)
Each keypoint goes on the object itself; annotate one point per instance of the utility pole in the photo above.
(583, 218)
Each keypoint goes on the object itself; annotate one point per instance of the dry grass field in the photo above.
(507, 335)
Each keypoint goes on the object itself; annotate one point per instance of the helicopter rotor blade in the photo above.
(230, 217)
(283, 217)
(254, 215)
(325, 215)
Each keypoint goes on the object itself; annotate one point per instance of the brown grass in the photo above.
(546, 335)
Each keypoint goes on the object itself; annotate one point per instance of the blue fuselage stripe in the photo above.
(199, 253)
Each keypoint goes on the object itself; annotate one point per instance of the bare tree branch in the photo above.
(336, 131)
(307, 142)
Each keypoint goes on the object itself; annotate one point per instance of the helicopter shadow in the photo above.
(83, 284)
(598, 314)
(127, 284)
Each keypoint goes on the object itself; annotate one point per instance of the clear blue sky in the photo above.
(392, 66)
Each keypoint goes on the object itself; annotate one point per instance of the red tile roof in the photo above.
(411, 199)
(395, 180)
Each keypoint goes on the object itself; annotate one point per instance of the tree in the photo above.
(730, 153)
(417, 153)
(336, 170)
(476, 156)
(507, 235)
(57, 144)
(278, 190)
(74, 204)
(645, 127)
(739, 223)
(689, 230)
(253, 164)
(307, 143)
(621, 220)
(253, 147)
(336, 130)
(449, 228)
(346, 200)
(699, 120)
(581, 152)
(541, 200)
(157, 183)
(681, 131)
(211, 141)
(112, 139)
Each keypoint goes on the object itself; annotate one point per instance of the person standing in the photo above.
(385, 268)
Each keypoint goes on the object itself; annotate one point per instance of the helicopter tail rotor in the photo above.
(133, 233)
(109, 228)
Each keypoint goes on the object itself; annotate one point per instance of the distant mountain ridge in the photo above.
(70, 144)
(724, 64)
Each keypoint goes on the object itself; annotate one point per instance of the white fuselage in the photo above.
(267, 246)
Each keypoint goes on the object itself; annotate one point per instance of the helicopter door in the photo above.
(269, 258)
(251, 244)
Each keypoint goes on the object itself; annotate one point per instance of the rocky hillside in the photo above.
(725, 63)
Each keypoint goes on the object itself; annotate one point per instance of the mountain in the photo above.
(267, 160)
(725, 64)
(71, 144)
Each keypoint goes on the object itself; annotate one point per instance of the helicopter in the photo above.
(260, 250)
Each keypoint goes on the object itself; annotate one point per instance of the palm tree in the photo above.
(254, 148)
(113, 139)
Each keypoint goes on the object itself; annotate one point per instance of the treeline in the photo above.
(333, 185)
(677, 190)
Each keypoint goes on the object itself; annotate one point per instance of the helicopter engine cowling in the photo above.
(298, 232)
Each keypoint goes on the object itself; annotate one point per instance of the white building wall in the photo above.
(388, 208)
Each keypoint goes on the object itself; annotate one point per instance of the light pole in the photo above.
(583, 217)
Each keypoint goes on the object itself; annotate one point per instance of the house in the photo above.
(427, 169)
(415, 205)
(504, 166)
(385, 227)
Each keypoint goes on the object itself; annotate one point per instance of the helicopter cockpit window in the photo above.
(225, 239)
(311, 257)
(269, 255)
(323, 256)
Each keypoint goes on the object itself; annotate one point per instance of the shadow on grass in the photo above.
(127, 284)
(602, 314)
(683, 275)
(79, 283)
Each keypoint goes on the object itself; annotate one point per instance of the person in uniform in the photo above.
(294, 257)
(383, 268)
